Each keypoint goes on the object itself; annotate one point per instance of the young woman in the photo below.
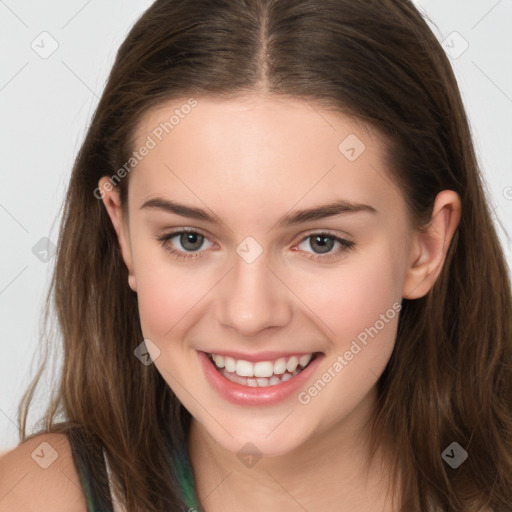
(278, 283)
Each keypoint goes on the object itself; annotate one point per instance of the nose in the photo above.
(253, 298)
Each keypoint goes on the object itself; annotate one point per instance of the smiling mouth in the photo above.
(262, 373)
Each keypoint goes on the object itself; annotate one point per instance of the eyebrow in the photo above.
(297, 217)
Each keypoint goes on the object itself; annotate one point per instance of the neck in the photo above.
(334, 466)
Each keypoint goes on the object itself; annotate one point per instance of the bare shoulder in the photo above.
(40, 474)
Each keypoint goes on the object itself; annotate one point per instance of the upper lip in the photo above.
(261, 356)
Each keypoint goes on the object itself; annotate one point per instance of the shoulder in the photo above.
(39, 474)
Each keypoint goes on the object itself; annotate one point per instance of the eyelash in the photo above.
(346, 245)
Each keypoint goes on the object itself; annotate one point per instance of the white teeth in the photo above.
(219, 361)
(263, 369)
(253, 383)
(280, 366)
(230, 364)
(262, 373)
(258, 382)
(292, 364)
(244, 368)
(236, 378)
(273, 381)
(304, 360)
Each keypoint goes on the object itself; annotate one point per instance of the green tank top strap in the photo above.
(93, 475)
(185, 478)
(94, 480)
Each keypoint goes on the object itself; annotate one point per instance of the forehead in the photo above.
(267, 150)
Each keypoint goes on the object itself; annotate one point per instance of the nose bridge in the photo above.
(252, 298)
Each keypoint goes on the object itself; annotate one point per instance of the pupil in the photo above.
(191, 238)
(321, 241)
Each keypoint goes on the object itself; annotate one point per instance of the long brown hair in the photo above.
(449, 378)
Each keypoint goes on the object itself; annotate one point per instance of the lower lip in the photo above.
(246, 395)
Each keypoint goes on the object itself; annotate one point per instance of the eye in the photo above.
(189, 239)
(323, 242)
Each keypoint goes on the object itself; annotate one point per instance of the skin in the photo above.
(251, 161)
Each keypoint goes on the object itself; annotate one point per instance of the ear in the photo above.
(429, 248)
(112, 202)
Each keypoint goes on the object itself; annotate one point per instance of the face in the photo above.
(270, 314)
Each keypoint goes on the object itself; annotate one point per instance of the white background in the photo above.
(46, 105)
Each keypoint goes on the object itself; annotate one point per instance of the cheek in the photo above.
(359, 308)
(354, 295)
(166, 291)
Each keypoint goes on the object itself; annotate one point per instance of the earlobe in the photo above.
(429, 248)
(112, 202)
